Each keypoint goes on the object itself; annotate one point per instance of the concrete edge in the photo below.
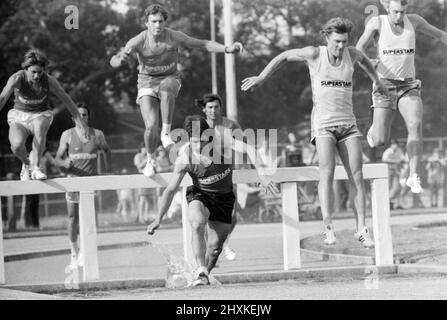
(27, 255)
(421, 268)
(338, 257)
(231, 278)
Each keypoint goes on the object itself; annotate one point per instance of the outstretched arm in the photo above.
(304, 54)
(168, 194)
(423, 26)
(208, 45)
(8, 90)
(123, 55)
(57, 89)
(369, 69)
(255, 157)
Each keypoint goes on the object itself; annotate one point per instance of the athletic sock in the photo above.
(165, 128)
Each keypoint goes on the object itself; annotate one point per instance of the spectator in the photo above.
(436, 164)
(126, 201)
(394, 157)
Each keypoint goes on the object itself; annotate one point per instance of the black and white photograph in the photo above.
(223, 158)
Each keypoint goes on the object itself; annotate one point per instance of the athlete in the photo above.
(211, 105)
(31, 114)
(333, 124)
(79, 159)
(211, 198)
(158, 80)
(395, 38)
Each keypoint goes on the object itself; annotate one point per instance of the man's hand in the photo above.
(268, 185)
(153, 226)
(235, 48)
(380, 87)
(251, 83)
(84, 130)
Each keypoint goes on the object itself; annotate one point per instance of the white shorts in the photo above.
(26, 118)
(150, 86)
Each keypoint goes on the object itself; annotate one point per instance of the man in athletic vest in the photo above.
(333, 124)
(31, 114)
(211, 198)
(158, 80)
(211, 105)
(79, 159)
(395, 37)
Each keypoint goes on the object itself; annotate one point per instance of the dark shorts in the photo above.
(337, 133)
(397, 90)
(220, 205)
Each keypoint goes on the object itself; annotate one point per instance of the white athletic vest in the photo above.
(396, 53)
(331, 91)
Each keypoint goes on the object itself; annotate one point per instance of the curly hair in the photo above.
(34, 57)
(155, 9)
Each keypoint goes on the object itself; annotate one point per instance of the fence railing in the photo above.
(287, 177)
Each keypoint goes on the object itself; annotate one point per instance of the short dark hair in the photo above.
(386, 3)
(155, 9)
(34, 57)
(337, 25)
(190, 121)
(208, 97)
(84, 106)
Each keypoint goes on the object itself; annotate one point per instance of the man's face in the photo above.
(212, 110)
(396, 12)
(336, 43)
(84, 114)
(155, 24)
(34, 73)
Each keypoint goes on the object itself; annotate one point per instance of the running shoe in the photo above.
(365, 238)
(149, 169)
(166, 140)
(202, 280)
(329, 235)
(229, 253)
(414, 182)
(24, 173)
(37, 174)
(369, 137)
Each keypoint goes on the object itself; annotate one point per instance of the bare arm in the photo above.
(371, 29)
(363, 61)
(208, 45)
(255, 157)
(8, 90)
(103, 145)
(423, 26)
(122, 56)
(304, 54)
(168, 194)
(61, 159)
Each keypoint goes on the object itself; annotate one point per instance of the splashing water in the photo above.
(180, 273)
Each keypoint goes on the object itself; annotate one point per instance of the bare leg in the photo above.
(40, 130)
(411, 109)
(217, 234)
(17, 138)
(350, 152)
(326, 158)
(149, 107)
(382, 120)
(198, 216)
